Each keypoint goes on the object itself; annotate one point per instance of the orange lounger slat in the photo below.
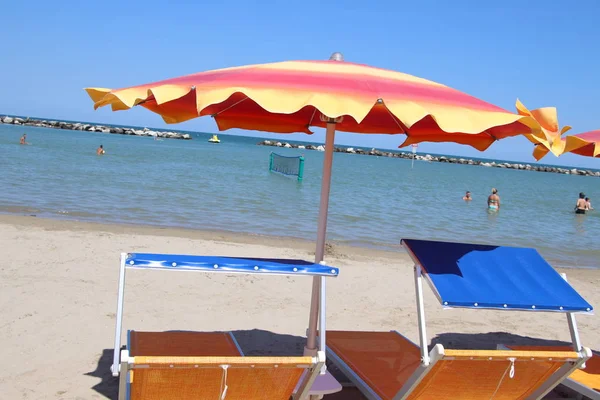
(478, 377)
(207, 382)
(199, 344)
(384, 360)
(590, 376)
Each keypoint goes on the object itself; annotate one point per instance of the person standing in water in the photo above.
(467, 196)
(581, 205)
(588, 204)
(100, 151)
(23, 139)
(494, 200)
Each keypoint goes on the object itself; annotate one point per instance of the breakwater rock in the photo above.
(430, 158)
(77, 126)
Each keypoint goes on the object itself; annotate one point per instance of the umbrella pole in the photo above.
(311, 345)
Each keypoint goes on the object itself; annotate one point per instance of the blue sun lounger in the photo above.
(386, 365)
(209, 365)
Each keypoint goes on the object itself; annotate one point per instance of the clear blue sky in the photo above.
(544, 52)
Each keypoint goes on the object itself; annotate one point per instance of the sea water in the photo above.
(375, 201)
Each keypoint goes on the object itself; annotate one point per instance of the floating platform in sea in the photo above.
(430, 158)
(79, 126)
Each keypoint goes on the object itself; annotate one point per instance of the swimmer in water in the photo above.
(494, 200)
(467, 196)
(588, 204)
(581, 205)
(23, 139)
(100, 151)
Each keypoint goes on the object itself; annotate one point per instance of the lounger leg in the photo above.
(121, 294)
(437, 353)
(309, 379)
(576, 341)
(123, 385)
(560, 375)
(123, 395)
(552, 382)
(421, 315)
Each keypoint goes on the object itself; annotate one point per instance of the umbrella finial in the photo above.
(337, 56)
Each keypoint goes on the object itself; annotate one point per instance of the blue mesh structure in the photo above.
(286, 165)
(497, 277)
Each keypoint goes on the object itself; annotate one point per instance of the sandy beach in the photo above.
(59, 285)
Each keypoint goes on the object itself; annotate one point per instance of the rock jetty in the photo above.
(443, 159)
(77, 126)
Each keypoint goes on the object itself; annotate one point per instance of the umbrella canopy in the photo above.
(292, 96)
(548, 138)
(585, 144)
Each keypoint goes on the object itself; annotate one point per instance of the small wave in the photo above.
(577, 266)
(370, 244)
(19, 210)
(352, 218)
(80, 214)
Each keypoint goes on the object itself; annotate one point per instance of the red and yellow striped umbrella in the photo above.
(293, 96)
(585, 144)
(548, 139)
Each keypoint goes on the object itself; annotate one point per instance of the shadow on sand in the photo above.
(108, 385)
(489, 341)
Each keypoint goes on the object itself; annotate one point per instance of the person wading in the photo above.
(581, 205)
(494, 200)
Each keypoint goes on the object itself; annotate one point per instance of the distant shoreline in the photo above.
(79, 126)
(430, 158)
(145, 132)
